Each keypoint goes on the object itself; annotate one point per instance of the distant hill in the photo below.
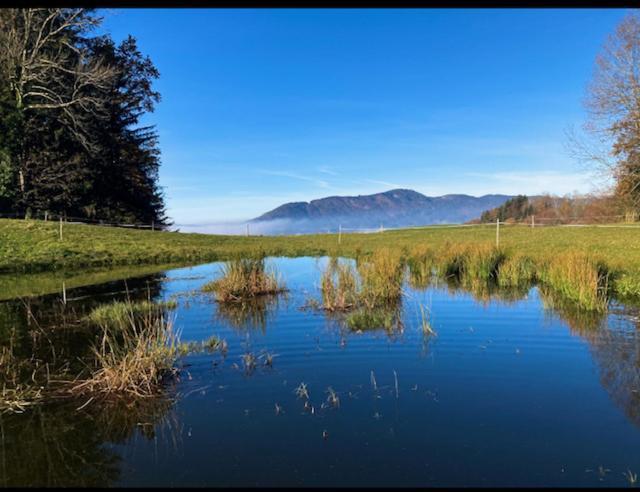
(393, 208)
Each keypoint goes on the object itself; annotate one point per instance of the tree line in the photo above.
(71, 102)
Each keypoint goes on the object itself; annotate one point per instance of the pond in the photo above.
(512, 390)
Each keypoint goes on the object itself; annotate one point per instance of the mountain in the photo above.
(393, 208)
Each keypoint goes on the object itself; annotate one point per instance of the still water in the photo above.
(511, 391)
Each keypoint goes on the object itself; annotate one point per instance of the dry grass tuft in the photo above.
(133, 359)
(243, 279)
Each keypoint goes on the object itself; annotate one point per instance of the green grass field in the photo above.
(31, 246)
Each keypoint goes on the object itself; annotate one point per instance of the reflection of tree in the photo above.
(617, 353)
(54, 444)
(57, 445)
(615, 345)
(54, 447)
(248, 314)
(45, 328)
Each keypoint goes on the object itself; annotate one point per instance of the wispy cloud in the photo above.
(327, 170)
(386, 183)
(534, 182)
(318, 182)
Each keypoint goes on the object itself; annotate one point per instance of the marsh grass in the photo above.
(517, 271)
(482, 261)
(210, 345)
(469, 262)
(339, 286)
(119, 314)
(132, 359)
(578, 277)
(244, 278)
(421, 263)
(382, 275)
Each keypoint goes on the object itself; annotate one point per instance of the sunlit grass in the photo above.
(244, 278)
(131, 359)
(578, 277)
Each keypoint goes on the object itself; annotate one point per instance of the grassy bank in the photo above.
(35, 246)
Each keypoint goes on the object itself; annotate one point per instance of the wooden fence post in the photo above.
(61, 228)
(533, 221)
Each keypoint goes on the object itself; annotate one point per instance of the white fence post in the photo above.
(61, 228)
(533, 221)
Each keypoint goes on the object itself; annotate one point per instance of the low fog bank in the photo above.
(235, 228)
(291, 227)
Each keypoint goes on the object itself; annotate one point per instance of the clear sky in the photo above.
(261, 107)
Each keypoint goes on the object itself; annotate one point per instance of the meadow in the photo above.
(33, 246)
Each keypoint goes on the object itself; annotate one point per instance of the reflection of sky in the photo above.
(262, 107)
(506, 394)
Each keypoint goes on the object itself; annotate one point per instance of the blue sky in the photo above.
(261, 107)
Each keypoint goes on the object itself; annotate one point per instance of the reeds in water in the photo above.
(131, 359)
(382, 274)
(339, 287)
(517, 271)
(421, 263)
(244, 278)
(580, 278)
(118, 314)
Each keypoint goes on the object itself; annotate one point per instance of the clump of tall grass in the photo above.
(580, 278)
(449, 260)
(482, 262)
(339, 287)
(421, 263)
(517, 271)
(469, 262)
(244, 278)
(132, 359)
(119, 313)
(211, 344)
(381, 274)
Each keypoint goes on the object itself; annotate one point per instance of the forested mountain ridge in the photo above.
(393, 208)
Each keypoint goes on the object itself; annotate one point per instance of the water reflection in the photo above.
(59, 445)
(253, 314)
